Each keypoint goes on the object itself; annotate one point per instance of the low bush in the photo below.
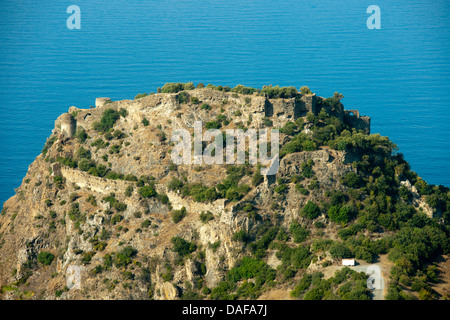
(107, 121)
(147, 192)
(46, 258)
(178, 215)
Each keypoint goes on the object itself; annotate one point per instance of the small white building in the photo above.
(348, 262)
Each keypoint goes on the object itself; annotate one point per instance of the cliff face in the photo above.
(95, 215)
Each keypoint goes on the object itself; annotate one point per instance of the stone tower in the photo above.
(68, 125)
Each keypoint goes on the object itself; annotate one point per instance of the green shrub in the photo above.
(59, 181)
(299, 232)
(214, 246)
(163, 198)
(84, 164)
(99, 143)
(213, 125)
(178, 215)
(107, 121)
(83, 153)
(146, 224)
(130, 177)
(114, 149)
(124, 257)
(314, 293)
(289, 128)
(194, 100)
(140, 95)
(147, 192)
(91, 200)
(281, 187)
(339, 214)
(128, 191)
(339, 250)
(100, 246)
(310, 117)
(182, 247)
(205, 106)
(302, 286)
(351, 180)
(118, 134)
(311, 210)
(46, 258)
(206, 216)
(277, 92)
(241, 236)
(81, 135)
(257, 178)
(243, 89)
(267, 122)
(120, 206)
(172, 87)
(48, 144)
(74, 211)
(116, 218)
(305, 90)
(175, 184)
(97, 269)
(307, 170)
(183, 97)
(299, 187)
(188, 86)
(248, 268)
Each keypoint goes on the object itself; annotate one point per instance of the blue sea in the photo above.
(399, 75)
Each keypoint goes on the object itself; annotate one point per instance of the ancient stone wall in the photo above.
(354, 120)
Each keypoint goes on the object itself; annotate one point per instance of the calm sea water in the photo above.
(399, 75)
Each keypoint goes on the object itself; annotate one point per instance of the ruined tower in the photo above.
(68, 125)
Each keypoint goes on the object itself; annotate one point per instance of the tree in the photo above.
(311, 210)
(305, 90)
(172, 87)
(302, 285)
(299, 232)
(339, 250)
(188, 86)
(339, 214)
(338, 96)
(351, 180)
(315, 293)
(310, 117)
